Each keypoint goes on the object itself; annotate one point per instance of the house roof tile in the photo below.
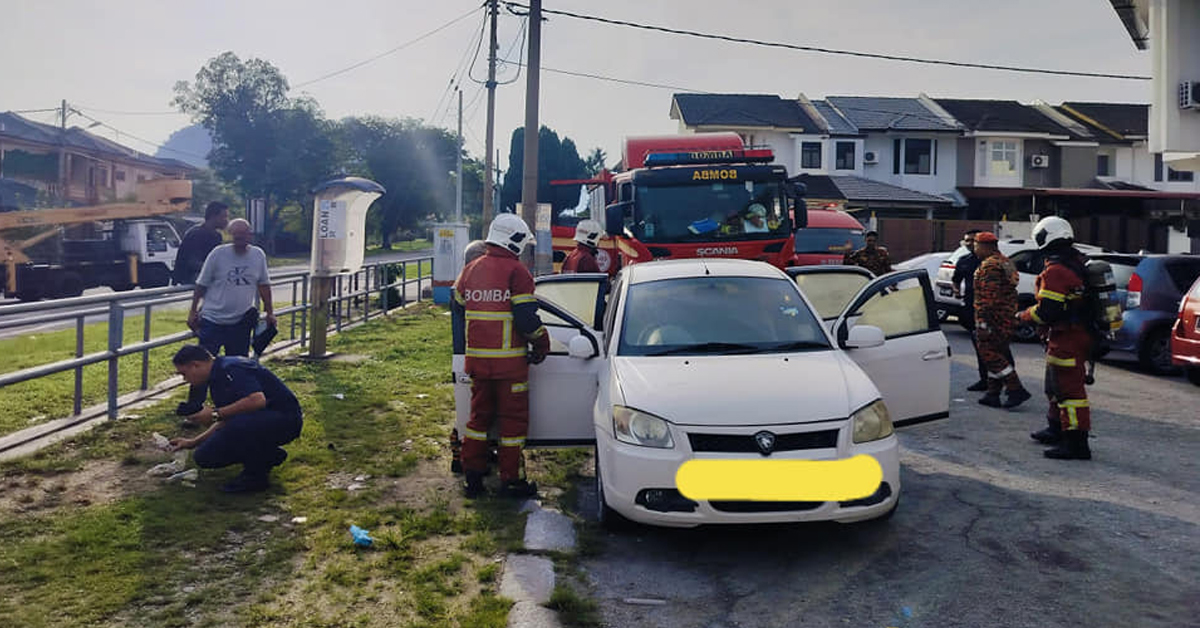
(1129, 120)
(752, 110)
(855, 188)
(870, 113)
(1001, 116)
(18, 127)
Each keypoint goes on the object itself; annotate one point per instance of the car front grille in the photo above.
(753, 506)
(745, 443)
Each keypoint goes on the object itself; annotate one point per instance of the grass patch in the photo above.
(419, 244)
(573, 609)
(138, 552)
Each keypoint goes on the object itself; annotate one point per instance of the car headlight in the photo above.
(639, 428)
(872, 422)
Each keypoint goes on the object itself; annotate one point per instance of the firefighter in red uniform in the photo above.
(1060, 289)
(496, 293)
(583, 258)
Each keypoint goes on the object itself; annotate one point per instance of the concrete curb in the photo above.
(529, 579)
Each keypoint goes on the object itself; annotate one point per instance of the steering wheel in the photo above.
(666, 334)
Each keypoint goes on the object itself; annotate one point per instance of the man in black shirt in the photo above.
(199, 241)
(251, 415)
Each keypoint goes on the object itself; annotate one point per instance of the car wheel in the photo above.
(1155, 352)
(609, 519)
(1193, 375)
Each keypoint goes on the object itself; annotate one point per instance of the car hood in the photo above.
(744, 389)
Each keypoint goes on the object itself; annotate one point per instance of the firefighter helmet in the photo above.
(588, 232)
(1052, 229)
(510, 232)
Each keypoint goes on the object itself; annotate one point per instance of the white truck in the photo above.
(60, 252)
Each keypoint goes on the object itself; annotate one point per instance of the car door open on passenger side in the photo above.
(911, 368)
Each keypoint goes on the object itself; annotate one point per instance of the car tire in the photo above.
(1154, 354)
(608, 518)
(1025, 332)
(1193, 375)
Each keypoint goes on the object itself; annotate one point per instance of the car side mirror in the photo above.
(614, 217)
(580, 347)
(864, 337)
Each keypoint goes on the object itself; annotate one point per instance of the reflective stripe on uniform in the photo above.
(1053, 296)
(496, 353)
(518, 299)
(515, 441)
(459, 297)
(520, 387)
(1072, 407)
(539, 332)
(486, 315)
(1053, 361)
(1074, 403)
(1034, 315)
(1002, 374)
(474, 435)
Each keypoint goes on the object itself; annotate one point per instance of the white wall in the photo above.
(944, 182)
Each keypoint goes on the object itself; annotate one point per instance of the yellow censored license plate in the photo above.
(779, 480)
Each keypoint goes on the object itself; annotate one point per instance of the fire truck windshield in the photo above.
(716, 211)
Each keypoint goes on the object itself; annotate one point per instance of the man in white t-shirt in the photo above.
(232, 275)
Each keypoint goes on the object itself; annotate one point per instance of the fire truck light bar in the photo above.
(709, 157)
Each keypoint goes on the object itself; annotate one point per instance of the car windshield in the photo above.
(821, 240)
(741, 210)
(718, 316)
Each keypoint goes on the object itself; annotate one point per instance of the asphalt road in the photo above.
(988, 532)
(282, 293)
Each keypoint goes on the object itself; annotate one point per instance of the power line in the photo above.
(456, 75)
(145, 141)
(835, 51)
(129, 113)
(35, 110)
(611, 79)
(389, 51)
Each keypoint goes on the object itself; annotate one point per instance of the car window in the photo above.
(1196, 290)
(826, 240)
(830, 293)
(1027, 262)
(717, 315)
(577, 297)
(1183, 272)
(561, 330)
(898, 311)
(610, 313)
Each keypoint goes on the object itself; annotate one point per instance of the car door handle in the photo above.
(933, 355)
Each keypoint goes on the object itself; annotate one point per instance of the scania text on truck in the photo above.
(60, 252)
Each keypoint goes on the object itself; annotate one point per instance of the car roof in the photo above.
(684, 268)
(832, 219)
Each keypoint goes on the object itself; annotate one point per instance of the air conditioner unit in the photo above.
(870, 157)
(1189, 95)
(1039, 161)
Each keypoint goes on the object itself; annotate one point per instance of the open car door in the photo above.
(562, 389)
(911, 368)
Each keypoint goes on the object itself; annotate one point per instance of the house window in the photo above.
(1103, 165)
(897, 146)
(844, 156)
(1172, 175)
(141, 177)
(810, 155)
(983, 159)
(918, 157)
(1004, 158)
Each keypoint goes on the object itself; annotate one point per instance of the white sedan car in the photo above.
(733, 360)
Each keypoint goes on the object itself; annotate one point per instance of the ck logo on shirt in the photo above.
(239, 276)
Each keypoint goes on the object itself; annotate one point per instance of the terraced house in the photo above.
(923, 169)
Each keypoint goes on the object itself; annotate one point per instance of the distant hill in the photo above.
(186, 144)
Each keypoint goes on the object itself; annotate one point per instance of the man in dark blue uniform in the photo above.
(252, 414)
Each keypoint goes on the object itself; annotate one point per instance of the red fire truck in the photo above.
(700, 195)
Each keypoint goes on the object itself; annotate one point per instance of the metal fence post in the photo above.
(79, 369)
(146, 353)
(292, 332)
(386, 286)
(304, 311)
(116, 337)
(341, 291)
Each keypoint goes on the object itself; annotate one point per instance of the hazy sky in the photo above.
(119, 56)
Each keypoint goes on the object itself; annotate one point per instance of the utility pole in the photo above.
(458, 178)
(488, 184)
(529, 180)
(62, 155)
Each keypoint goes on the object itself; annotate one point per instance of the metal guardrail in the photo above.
(371, 288)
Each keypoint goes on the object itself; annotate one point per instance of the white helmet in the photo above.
(1052, 229)
(510, 232)
(588, 232)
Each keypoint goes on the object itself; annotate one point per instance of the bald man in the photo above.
(223, 312)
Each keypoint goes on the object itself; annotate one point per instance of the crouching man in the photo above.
(251, 415)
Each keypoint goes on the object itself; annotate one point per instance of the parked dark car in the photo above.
(1152, 299)
(1185, 341)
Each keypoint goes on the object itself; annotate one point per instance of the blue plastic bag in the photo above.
(362, 538)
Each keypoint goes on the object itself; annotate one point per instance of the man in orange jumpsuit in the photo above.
(1059, 309)
(496, 293)
(583, 258)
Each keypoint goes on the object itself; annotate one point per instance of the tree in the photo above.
(413, 162)
(557, 159)
(595, 161)
(267, 145)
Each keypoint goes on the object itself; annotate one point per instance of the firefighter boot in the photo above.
(1051, 435)
(519, 489)
(1016, 398)
(1074, 446)
(473, 487)
(978, 386)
